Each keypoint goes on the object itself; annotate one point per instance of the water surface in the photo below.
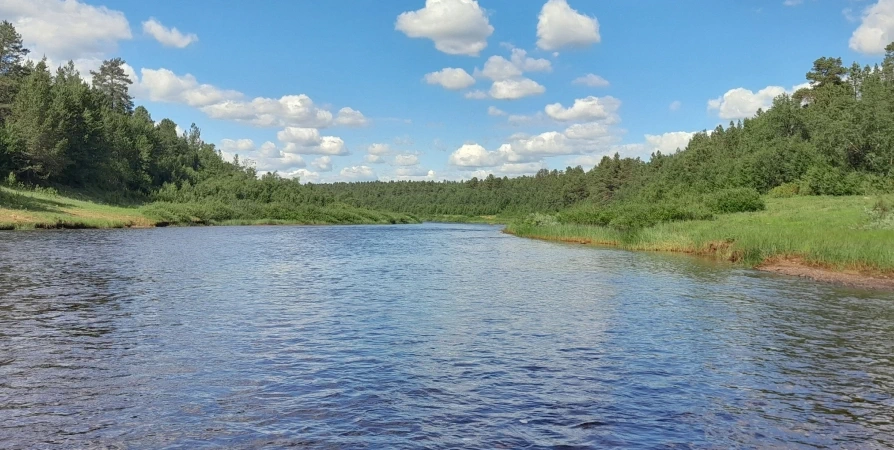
(424, 336)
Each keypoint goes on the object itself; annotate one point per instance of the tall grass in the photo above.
(824, 231)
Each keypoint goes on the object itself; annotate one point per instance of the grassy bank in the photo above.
(45, 209)
(22, 209)
(830, 232)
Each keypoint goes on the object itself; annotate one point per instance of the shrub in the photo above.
(826, 180)
(540, 220)
(785, 190)
(735, 200)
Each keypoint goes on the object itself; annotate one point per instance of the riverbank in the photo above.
(45, 209)
(823, 238)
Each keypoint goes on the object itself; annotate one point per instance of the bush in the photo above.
(735, 200)
(826, 180)
(881, 215)
(785, 190)
(540, 220)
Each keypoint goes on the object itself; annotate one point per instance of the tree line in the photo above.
(835, 137)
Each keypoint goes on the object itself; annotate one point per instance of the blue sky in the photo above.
(450, 89)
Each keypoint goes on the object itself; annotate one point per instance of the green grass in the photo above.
(23, 209)
(45, 209)
(832, 232)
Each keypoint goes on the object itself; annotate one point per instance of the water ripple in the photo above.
(432, 336)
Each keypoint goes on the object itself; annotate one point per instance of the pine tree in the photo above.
(112, 81)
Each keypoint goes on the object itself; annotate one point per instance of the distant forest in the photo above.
(56, 130)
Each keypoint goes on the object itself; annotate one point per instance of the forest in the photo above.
(60, 133)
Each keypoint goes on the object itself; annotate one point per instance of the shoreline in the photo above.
(780, 264)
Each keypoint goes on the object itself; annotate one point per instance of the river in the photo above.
(424, 336)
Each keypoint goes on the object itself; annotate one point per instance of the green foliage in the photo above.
(735, 200)
(881, 215)
(539, 220)
(785, 190)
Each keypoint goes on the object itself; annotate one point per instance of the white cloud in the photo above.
(66, 29)
(309, 142)
(267, 158)
(457, 27)
(510, 169)
(792, 2)
(475, 156)
(476, 95)
(590, 131)
(675, 105)
(414, 172)
(323, 164)
(561, 26)
(591, 80)
(669, 143)
(499, 68)
(375, 153)
(378, 149)
(525, 63)
(740, 103)
(406, 160)
(162, 85)
(169, 37)
(515, 89)
(876, 29)
(350, 117)
(450, 78)
(589, 108)
(494, 111)
(358, 173)
(304, 175)
(289, 110)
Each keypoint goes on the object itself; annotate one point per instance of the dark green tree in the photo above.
(112, 81)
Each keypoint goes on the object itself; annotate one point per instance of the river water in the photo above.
(424, 336)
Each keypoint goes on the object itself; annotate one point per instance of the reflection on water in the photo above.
(424, 336)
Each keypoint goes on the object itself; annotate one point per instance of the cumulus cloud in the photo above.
(876, 29)
(457, 27)
(589, 108)
(740, 103)
(358, 173)
(515, 89)
(308, 141)
(378, 149)
(669, 143)
(589, 131)
(450, 78)
(169, 37)
(66, 29)
(475, 156)
(591, 80)
(510, 169)
(476, 95)
(414, 172)
(267, 158)
(499, 68)
(375, 153)
(561, 26)
(494, 111)
(350, 117)
(406, 160)
(323, 164)
(163, 85)
(675, 105)
(525, 63)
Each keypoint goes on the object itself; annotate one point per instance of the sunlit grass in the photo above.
(21, 209)
(825, 231)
